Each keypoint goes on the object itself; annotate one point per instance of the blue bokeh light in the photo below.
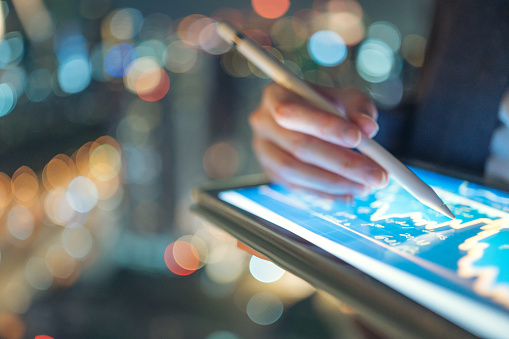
(327, 48)
(11, 49)
(119, 58)
(74, 75)
(7, 99)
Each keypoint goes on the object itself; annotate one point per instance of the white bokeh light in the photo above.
(264, 270)
(82, 194)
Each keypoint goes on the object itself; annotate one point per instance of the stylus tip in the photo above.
(446, 211)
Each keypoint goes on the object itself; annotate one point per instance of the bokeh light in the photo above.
(39, 85)
(344, 17)
(184, 31)
(11, 326)
(5, 191)
(82, 194)
(270, 9)
(12, 49)
(386, 32)
(225, 265)
(283, 32)
(199, 246)
(306, 21)
(37, 274)
(179, 57)
(119, 58)
(15, 296)
(58, 172)
(327, 48)
(8, 99)
(126, 23)
(25, 185)
(264, 308)
(388, 93)
(375, 60)
(264, 270)
(59, 262)
(187, 255)
(42, 27)
(77, 242)
(211, 42)
(20, 222)
(75, 74)
(136, 69)
(105, 162)
(153, 84)
(17, 78)
(221, 160)
(413, 49)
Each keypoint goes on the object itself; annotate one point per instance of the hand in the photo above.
(305, 147)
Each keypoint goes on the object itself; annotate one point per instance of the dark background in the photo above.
(122, 288)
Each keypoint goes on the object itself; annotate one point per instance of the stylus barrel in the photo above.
(281, 75)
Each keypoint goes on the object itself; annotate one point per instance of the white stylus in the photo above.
(286, 78)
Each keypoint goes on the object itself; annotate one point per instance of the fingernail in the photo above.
(368, 125)
(377, 178)
(352, 136)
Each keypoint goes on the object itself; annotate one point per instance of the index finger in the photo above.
(293, 113)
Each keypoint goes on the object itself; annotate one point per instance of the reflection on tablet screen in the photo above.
(457, 268)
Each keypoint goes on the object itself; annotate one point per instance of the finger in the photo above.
(357, 106)
(281, 164)
(294, 113)
(308, 149)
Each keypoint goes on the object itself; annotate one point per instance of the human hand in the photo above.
(302, 146)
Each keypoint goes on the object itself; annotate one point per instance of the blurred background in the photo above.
(111, 111)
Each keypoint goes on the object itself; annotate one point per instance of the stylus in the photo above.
(286, 78)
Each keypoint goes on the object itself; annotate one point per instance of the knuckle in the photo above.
(255, 119)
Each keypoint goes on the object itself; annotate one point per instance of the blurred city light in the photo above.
(65, 211)
(264, 270)
(270, 9)
(264, 308)
(327, 48)
(375, 60)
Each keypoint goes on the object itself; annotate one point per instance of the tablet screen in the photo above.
(457, 268)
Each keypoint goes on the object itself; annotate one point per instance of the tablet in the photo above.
(409, 270)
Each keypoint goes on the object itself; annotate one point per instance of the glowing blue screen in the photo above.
(457, 268)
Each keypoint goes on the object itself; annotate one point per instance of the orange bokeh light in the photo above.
(25, 185)
(185, 25)
(5, 190)
(58, 172)
(81, 158)
(270, 9)
(153, 84)
(185, 254)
